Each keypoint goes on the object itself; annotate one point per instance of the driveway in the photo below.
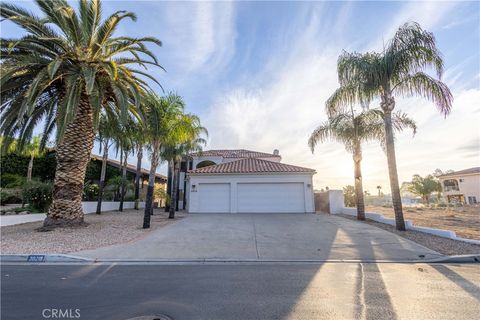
(266, 237)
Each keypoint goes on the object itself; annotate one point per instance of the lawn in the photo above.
(465, 221)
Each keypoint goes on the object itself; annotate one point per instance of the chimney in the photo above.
(276, 152)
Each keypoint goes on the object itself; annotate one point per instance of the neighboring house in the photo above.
(231, 181)
(462, 186)
(160, 180)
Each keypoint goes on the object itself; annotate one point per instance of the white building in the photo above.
(235, 181)
(462, 186)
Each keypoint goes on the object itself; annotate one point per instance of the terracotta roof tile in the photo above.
(234, 153)
(251, 165)
(466, 171)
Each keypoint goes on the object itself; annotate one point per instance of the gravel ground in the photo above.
(439, 244)
(102, 230)
(465, 221)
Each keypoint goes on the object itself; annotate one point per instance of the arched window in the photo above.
(450, 185)
(205, 163)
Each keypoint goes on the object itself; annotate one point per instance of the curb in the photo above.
(63, 258)
(39, 258)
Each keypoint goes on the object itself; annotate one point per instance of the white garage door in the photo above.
(214, 197)
(271, 197)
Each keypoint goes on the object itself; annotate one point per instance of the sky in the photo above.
(258, 75)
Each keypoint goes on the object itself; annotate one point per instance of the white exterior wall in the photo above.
(470, 186)
(233, 180)
(87, 206)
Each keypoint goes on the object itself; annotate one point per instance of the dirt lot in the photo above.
(102, 230)
(465, 221)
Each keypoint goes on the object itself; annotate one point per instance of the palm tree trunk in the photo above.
(124, 180)
(103, 173)
(138, 175)
(357, 158)
(73, 155)
(30, 169)
(392, 170)
(173, 199)
(151, 186)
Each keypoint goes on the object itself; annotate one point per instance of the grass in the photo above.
(465, 221)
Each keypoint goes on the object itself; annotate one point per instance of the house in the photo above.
(160, 180)
(235, 181)
(462, 186)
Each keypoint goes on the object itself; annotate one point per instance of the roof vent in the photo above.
(276, 152)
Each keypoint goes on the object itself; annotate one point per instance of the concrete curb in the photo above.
(62, 258)
(39, 258)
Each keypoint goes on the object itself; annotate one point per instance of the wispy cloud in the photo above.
(283, 111)
(201, 34)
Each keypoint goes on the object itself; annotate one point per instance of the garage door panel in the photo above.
(214, 197)
(270, 197)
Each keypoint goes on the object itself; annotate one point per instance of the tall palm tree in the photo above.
(352, 129)
(400, 70)
(160, 118)
(138, 139)
(68, 67)
(107, 130)
(178, 146)
(125, 145)
(32, 149)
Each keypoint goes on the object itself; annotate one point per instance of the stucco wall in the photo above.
(470, 186)
(87, 206)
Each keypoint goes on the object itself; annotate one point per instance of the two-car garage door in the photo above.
(252, 197)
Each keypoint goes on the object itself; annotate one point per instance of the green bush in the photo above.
(7, 197)
(38, 195)
(90, 191)
(10, 180)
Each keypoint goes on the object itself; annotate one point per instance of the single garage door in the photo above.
(214, 197)
(270, 197)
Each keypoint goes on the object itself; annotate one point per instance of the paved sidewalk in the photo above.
(266, 237)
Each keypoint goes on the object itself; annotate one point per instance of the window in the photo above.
(450, 185)
(205, 163)
(472, 200)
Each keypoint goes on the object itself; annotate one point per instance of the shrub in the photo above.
(90, 191)
(10, 180)
(38, 195)
(7, 197)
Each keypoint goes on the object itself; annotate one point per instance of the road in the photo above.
(242, 291)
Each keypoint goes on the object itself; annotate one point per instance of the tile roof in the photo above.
(466, 171)
(251, 165)
(130, 167)
(234, 153)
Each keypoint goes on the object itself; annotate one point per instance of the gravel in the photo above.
(441, 245)
(102, 230)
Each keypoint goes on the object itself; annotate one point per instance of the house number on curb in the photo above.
(36, 258)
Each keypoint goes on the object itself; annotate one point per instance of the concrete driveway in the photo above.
(266, 237)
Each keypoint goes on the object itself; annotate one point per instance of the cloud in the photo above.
(287, 100)
(201, 34)
(428, 13)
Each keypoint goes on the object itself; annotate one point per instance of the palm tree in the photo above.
(33, 150)
(379, 188)
(400, 70)
(160, 118)
(173, 151)
(67, 68)
(107, 130)
(138, 139)
(352, 129)
(124, 144)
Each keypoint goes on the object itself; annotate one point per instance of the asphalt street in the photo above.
(241, 291)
